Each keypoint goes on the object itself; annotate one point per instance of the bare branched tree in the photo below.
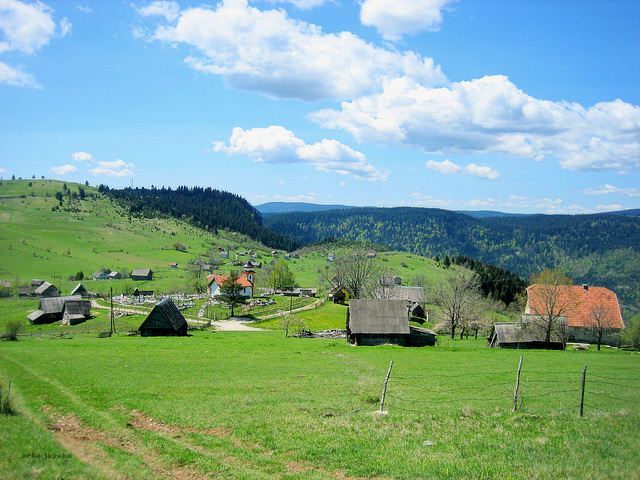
(459, 299)
(357, 272)
(601, 322)
(551, 302)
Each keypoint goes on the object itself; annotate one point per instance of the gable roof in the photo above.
(410, 294)
(141, 272)
(46, 287)
(372, 316)
(242, 280)
(79, 290)
(580, 303)
(164, 315)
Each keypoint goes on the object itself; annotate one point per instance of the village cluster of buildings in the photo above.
(385, 319)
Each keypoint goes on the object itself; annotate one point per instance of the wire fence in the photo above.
(525, 391)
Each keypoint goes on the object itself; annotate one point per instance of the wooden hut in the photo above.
(376, 322)
(141, 274)
(69, 310)
(165, 320)
(529, 333)
(46, 290)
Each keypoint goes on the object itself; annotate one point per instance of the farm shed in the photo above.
(141, 274)
(376, 322)
(165, 320)
(584, 306)
(69, 310)
(529, 333)
(339, 294)
(47, 290)
(82, 291)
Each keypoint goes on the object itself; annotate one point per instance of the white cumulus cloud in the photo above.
(492, 115)
(117, 168)
(448, 167)
(276, 144)
(25, 28)
(402, 17)
(83, 157)
(269, 53)
(64, 170)
(168, 10)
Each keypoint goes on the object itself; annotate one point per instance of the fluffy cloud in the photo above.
(168, 10)
(492, 115)
(25, 28)
(302, 4)
(610, 189)
(401, 17)
(117, 168)
(64, 170)
(276, 144)
(448, 167)
(83, 157)
(269, 53)
(12, 76)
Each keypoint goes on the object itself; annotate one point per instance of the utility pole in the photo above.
(113, 321)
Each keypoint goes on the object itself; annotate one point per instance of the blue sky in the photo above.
(519, 106)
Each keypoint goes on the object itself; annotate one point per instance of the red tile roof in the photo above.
(579, 303)
(242, 280)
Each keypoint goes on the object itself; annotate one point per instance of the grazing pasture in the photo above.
(244, 406)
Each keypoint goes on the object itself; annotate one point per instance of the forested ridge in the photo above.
(600, 249)
(206, 208)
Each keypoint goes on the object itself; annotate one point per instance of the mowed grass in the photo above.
(259, 405)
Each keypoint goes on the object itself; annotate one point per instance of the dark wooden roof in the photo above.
(165, 315)
(373, 316)
(529, 330)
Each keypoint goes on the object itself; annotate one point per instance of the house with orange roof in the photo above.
(214, 283)
(591, 312)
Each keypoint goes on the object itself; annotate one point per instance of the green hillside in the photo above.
(44, 237)
(598, 249)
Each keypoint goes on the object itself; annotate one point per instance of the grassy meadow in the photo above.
(261, 406)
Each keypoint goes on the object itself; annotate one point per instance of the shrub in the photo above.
(181, 247)
(12, 328)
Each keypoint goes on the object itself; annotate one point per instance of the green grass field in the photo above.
(259, 405)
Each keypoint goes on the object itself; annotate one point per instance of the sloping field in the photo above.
(259, 405)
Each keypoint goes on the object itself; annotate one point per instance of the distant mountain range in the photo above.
(599, 249)
(274, 208)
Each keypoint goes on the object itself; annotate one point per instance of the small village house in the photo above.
(100, 275)
(339, 294)
(529, 333)
(80, 289)
(114, 276)
(141, 274)
(583, 306)
(47, 290)
(246, 279)
(377, 322)
(69, 310)
(165, 320)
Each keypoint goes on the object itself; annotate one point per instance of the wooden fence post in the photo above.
(584, 378)
(384, 389)
(515, 393)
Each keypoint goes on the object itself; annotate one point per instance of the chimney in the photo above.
(585, 286)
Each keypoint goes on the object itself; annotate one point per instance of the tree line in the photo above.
(205, 208)
(600, 249)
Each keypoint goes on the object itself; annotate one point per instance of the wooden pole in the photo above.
(515, 393)
(112, 316)
(584, 378)
(384, 389)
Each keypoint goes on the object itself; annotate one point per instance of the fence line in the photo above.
(584, 390)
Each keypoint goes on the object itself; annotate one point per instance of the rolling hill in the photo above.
(599, 249)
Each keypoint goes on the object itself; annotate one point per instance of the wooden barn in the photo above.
(68, 310)
(377, 322)
(141, 274)
(165, 320)
(527, 334)
(47, 290)
(82, 291)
